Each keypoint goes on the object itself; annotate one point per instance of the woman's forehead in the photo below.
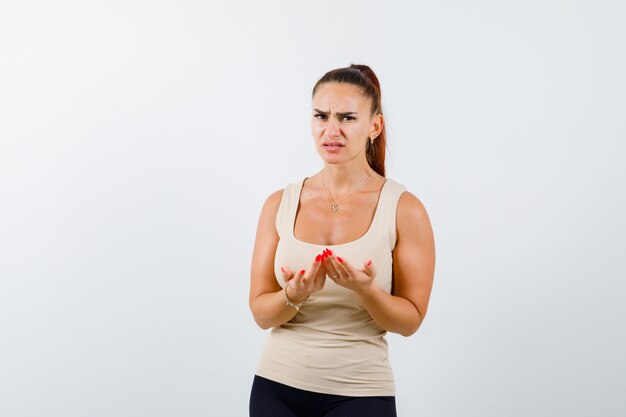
(340, 97)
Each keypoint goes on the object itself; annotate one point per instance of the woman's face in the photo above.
(341, 123)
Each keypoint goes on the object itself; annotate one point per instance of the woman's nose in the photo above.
(332, 129)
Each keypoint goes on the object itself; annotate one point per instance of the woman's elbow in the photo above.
(411, 328)
(258, 319)
(262, 324)
(409, 331)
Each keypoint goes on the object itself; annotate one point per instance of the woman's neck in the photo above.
(341, 179)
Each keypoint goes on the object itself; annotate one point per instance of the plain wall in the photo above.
(139, 139)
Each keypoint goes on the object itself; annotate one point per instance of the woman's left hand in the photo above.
(343, 273)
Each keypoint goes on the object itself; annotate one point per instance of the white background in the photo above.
(139, 139)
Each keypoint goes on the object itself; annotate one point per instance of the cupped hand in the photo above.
(303, 283)
(343, 273)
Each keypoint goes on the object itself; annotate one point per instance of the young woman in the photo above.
(340, 258)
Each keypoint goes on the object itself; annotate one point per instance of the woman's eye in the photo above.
(323, 117)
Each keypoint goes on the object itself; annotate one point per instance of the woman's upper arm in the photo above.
(262, 277)
(414, 254)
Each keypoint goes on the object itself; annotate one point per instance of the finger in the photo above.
(300, 279)
(369, 269)
(336, 266)
(319, 284)
(331, 271)
(287, 273)
(332, 266)
(297, 285)
(332, 262)
(315, 265)
(315, 271)
(320, 275)
(343, 265)
(321, 261)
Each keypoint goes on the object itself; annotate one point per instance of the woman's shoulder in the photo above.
(410, 203)
(272, 202)
(407, 200)
(274, 198)
(411, 212)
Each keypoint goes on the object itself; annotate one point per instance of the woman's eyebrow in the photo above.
(340, 114)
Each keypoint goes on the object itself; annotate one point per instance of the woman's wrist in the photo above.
(369, 291)
(295, 300)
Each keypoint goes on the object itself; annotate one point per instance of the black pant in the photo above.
(273, 399)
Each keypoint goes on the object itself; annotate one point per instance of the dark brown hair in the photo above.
(366, 81)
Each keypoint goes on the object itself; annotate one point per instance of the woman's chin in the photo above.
(332, 160)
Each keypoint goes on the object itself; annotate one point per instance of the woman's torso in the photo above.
(332, 345)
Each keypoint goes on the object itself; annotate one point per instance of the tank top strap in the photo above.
(287, 209)
(387, 209)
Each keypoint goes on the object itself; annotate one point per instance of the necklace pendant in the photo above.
(334, 207)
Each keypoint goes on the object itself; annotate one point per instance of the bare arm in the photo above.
(413, 270)
(267, 299)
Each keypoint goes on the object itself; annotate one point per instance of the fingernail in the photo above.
(318, 258)
(369, 262)
(281, 268)
(302, 272)
(339, 259)
(329, 252)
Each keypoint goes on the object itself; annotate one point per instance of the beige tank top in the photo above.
(332, 345)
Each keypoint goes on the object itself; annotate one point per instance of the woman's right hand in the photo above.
(304, 283)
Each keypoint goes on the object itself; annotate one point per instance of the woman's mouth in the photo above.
(332, 146)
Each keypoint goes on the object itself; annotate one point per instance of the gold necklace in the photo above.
(334, 205)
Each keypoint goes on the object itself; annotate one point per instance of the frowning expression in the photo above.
(341, 122)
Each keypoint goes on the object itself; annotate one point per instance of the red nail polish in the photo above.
(318, 258)
(339, 259)
(369, 263)
(329, 252)
(302, 272)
